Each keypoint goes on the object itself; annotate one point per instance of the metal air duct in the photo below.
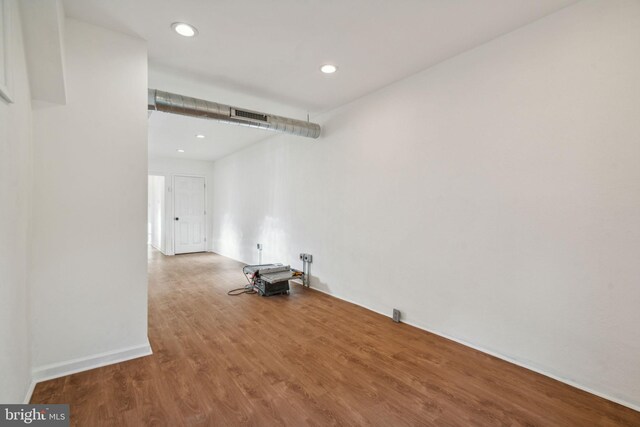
(193, 107)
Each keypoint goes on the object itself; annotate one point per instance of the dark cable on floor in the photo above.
(240, 291)
(248, 289)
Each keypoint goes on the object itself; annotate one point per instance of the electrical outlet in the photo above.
(259, 245)
(302, 257)
(308, 258)
(396, 315)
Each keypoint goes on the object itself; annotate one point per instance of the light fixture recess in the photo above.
(200, 136)
(328, 68)
(184, 29)
(180, 150)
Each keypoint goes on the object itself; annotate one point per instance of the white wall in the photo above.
(15, 175)
(170, 167)
(493, 198)
(88, 259)
(43, 30)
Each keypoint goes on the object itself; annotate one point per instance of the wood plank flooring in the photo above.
(315, 361)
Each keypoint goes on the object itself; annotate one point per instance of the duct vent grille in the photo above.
(250, 115)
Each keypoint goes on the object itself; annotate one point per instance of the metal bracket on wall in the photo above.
(307, 259)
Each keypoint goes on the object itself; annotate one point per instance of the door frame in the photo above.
(172, 192)
(163, 214)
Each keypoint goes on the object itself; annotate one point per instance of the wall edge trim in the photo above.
(73, 366)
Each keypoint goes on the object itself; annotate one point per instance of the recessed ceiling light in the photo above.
(328, 69)
(200, 136)
(180, 150)
(184, 29)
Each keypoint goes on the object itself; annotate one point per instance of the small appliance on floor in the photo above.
(268, 279)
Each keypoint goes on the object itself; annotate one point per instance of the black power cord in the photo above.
(240, 291)
(247, 289)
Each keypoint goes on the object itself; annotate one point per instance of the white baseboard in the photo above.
(158, 249)
(533, 368)
(57, 370)
(27, 397)
(525, 365)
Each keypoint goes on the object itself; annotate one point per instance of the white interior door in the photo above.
(189, 214)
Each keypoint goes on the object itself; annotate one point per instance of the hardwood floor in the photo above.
(304, 359)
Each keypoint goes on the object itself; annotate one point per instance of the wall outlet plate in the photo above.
(396, 315)
(302, 256)
(308, 258)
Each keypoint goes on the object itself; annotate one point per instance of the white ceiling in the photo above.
(273, 48)
(170, 132)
